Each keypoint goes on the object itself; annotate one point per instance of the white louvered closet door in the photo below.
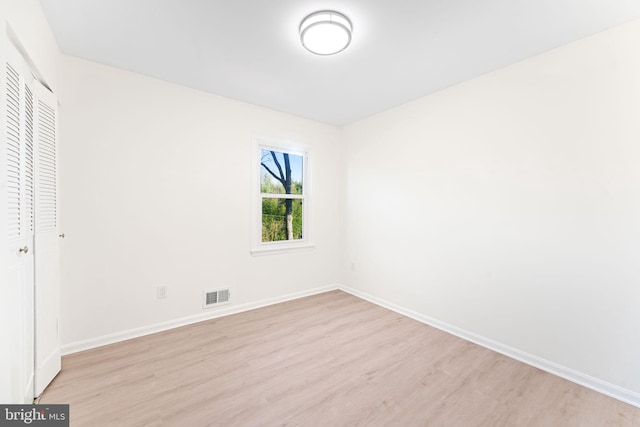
(47, 253)
(18, 293)
(31, 298)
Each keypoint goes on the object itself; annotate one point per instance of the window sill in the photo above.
(281, 249)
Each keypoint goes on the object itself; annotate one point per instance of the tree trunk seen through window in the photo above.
(284, 177)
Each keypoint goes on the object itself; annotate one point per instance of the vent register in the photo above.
(214, 298)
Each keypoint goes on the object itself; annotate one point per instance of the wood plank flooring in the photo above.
(327, 360)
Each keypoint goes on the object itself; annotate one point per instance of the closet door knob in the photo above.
(61, 235)
(24, 250)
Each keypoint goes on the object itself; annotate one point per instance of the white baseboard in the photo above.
(226, 310)
(611, 390)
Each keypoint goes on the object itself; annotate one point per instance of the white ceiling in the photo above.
(249, 49)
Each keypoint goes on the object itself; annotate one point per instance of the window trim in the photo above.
(258, 247)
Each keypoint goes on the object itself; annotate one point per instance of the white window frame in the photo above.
(258, 247)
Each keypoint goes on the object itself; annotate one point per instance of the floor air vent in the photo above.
(214, 298)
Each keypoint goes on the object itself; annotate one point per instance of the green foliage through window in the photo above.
(274, 219)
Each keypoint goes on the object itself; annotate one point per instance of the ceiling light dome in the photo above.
(325, 32)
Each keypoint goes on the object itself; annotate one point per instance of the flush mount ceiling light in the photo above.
(325, 32)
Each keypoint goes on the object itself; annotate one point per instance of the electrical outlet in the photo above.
(162, 292)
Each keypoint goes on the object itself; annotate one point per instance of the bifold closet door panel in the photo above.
(47, 256)
(18, 292)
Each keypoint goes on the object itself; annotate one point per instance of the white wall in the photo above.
(25, 21)
(156, 191)
(509, 206)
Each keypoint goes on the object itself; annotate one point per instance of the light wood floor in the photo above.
(326, 360)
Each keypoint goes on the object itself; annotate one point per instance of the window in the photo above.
(282, 199)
